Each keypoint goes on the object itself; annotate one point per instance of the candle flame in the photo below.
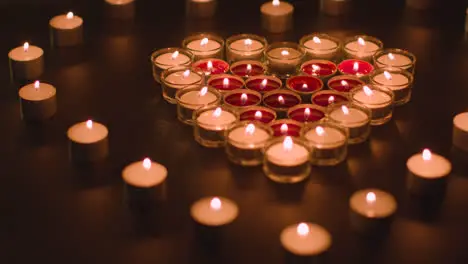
(391, 56)
(264, 83)
(368, 91)
(316, 40)
(315, 67)
(281, 99)
(370, 198)
(305, 86)
(320, 131)
(361, 41)
(217, 112)
(303, 229)
(387, 75)
(249, 67)
(284, 52)
(248, 42)
(345, 110)
(344, 83)
(288, 143)
(250, 129)
(175, 55)
(243, 98)
(209, 65)
(89, 124)
(70, 15)
(204, 42)
(147, 163)
(331, 99)
(26, 47)
(37, 84)
(356, 66)
(258, 115)
(225, 82)
(276, 2)
(426, 155)
(284, 129)
(203, 91)
(186, 74)
(307, 113)
(215, 203)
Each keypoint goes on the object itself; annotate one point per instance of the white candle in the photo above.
(214, 211)
(168, 60)
(395, 60)
(195, 99)
(204, 47)
(287, 153)
(460, 131)
(216, 119)
(144, 174)
(38, 101)
(349, 116)
(248, 136)
(120, 9)
(378, 100)
(179, 79)
(323, 137)
(283, 61)
(245, 47)
(277, 16)
(335, 7)
(88, 141)
(66, 30)
(201, 8)
(361, 48)
(393, 81)
(305, 239)
(26, 62)
(372, 98)
(320, 46)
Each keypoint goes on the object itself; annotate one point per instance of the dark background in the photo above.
(53, 212)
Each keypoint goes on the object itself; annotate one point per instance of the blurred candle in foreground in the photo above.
(201, 8)
(120, 9)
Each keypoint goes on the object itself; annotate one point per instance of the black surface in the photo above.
(52, 212)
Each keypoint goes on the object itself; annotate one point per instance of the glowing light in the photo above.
(345, 110)
(175, 55)
(217, 112)
(70, 15)
(89, 124)
(203, 91)
(331, 99)
(307, 113)
(249, 67)
(316, 40)
(209, 65)
(320, 131)
(387, 75)
(281, 99)
(26, 47)
(288, 143)
(204, 42)
(243, 98)
(225, 82)
(147, 163)
(250, 129)
(391, 56)
(37, 84)
(276, 2)
(248, 42)
(368, 91)
(303, 229)
(315, 68)
(186, 74)
(344, 83)
(264, 83)
(371, 198)
(356, 66)
(361, 42)
(426, 155)
(215, 203)
(305, 86)
(284, 52)
(284, 129)
(258, 115)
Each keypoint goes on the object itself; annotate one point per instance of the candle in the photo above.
(242, 98)
(204, 46)
(191, 98)
(214, 212)
(66, 30)
(245, 47)
(38, 101)
(263, 83)
(120, 9)
(277, 16)
(371, 211)
(245, 142)
(286, 160)
(321, 46)
(144, 181)
(460, 131)
(306, 113)
(335, 7)
(327, 141)
(283, 59)
(344, 83)
(378, 99)
(398, 80)
(286, 127)
(362, 47)
(327, 98)
(226, 82)
(322, 69)
(357, 68)
(281, 101)
(354, 117)
(176, 78)
(211, 124)
(305, 86)
(427, 173)
(247, 68)
(88, 142)
(421, 4)
(305, 239)
(201, 8)
(211, 66)
(257, 113)
(26, 62)
(395, 58)
(164, 59)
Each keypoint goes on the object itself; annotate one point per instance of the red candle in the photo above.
(328, 97)
(286, 127)
(358, 68)
(344, 83)
(247, 68)
(211, 66)
(304, 84)
(226, 82)
(281, 100)
(263, 83)
(306, 113)
(242, 98)
(258, 113)
(319, 68)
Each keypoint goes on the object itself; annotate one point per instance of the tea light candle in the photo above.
(321, 46)
(263, 83)
(281, 101)
(327, 98)
(120, 9)
(306, 113)
(378, 100)
(245, 142)
(66, 30)
(88, 141)
(344, 83)
(191, 98)
(26, 62)
(226, 82)
(305, 86)
(211, 124)
(357, 68)
(371, 210)
(355, 118)
(305, 239)
(214, 212)
(242, 98)
(247, 68)
(277, 16)
(211, 66)
(397, 80)
(176, 78)
(164, 59)
(286, 127)
(201, 8)
(362, 47)
(144, 181)
(283, 59)
(335, 7)
(286, 160)
(327, 142)
(322, 69)
(38, 101)
(460, 131)
(427, 173)
(245, 47)
(257, 113)
(204, 46)
(395, 58)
